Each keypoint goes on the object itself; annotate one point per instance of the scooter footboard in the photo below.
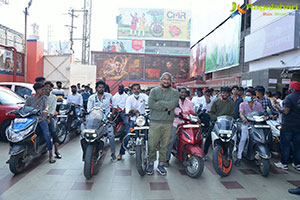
(263, 150)
(195, 150)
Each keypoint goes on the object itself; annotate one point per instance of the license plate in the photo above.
(262, 126)
(61, 115)
(20, 120)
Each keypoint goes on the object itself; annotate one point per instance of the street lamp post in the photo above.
(25, 37)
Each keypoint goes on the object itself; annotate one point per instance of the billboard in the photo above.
(139, 67)
(155, 24)
(274, 38)
(198, 56)
(59, 48)
(130, 46)
(223, 46)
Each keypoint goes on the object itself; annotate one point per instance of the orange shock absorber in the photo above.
(33, 141)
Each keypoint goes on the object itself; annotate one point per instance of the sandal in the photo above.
(58, 155)
(51, 161)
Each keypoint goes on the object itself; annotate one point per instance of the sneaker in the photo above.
(237, 163)
(149, 169)
(297, 167)
(205, 157)
(167, 164)
(161, 169)
(113, 157)
(295, 191)
(281, 166)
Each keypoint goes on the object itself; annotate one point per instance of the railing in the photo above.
(116, 84)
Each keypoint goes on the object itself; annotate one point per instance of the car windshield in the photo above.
(8, 97)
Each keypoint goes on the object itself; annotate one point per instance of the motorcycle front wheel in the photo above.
(222, 165)
(196, 168)
(141, 160)
(16, 164)
(88, 169)
(61, 132)
(264, 167)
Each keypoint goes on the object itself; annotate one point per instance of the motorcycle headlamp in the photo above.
(227, 133)
(89, 133)
(16, 136)
(194, 118)
(140, 121)
(279, 127)
(62, 112)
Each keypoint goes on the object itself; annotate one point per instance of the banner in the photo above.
(223, 46)
(130, 46)
(158, 24)
(198, 56)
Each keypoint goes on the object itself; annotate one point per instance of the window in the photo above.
(8, 86)
(9, 98)
(22, 91)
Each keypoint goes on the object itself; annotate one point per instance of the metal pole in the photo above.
(25, 48)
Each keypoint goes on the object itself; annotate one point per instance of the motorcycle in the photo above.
(258, 145)
(187, 148)
(67, 122)
(138, 142)
(93, 140)
(25, 139)
(275, 129)
(119, 126)
(223, 138)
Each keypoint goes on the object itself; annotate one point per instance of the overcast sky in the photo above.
(206, 14)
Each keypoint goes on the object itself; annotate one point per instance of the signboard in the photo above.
(139, 67)
(59, 48)
(130, 46)
(274, 38)
(223, 46)
(273, 80)
(286, 81)
(157, 24)
(198, 56)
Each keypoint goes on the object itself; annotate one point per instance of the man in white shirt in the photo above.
(135, 104)
(207, 100)
(103, 99)
(196, 100)
(75, 97)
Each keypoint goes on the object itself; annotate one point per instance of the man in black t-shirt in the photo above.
(290, 131)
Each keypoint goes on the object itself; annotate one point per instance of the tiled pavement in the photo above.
(65, 180)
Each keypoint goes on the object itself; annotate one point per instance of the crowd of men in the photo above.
(166, 103)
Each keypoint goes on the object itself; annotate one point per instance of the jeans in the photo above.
(111, 136)
(172, 142)
(125, 142)
(159, 132)
(244, 136)
(53, 131)
(45, 131)
(124, 117)
(286, 137)
(208, 139)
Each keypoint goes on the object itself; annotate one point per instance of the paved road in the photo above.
(64, 180)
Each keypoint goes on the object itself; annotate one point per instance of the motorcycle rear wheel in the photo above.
(16, 165)
(88, 169)
(141, 162)
(222, 166)
(197, 167)
(264, 167)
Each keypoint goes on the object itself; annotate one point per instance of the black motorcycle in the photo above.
(92, 140)
(67, 121)
(25, 139)
(138, 142)
(258, 145)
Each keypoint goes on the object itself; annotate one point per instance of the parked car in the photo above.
(23, 89)
(8, 101)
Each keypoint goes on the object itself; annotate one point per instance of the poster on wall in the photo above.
(139, 67)
(223, 46)
(198, 56)
(130, 46)
(159, 24)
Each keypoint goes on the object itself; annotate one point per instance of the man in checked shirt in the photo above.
(264, 101)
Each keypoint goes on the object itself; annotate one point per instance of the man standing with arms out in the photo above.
(51, 111)
(185, 105)
(162, 102)
(85, 96)
(135, 105)
(237, 100)
(106, 86)
(290, 131)
(39, 102)
(103, 99)
(222, 106)
(119, 101)
(247, 107)
(196, 100)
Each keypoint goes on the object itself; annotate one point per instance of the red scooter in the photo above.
(187, 146)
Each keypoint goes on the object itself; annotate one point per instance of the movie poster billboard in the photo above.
(197, 59)
(158, 24)
(130, 46)
(223, 46)
(139, 67)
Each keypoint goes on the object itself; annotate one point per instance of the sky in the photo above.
(206, 14)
